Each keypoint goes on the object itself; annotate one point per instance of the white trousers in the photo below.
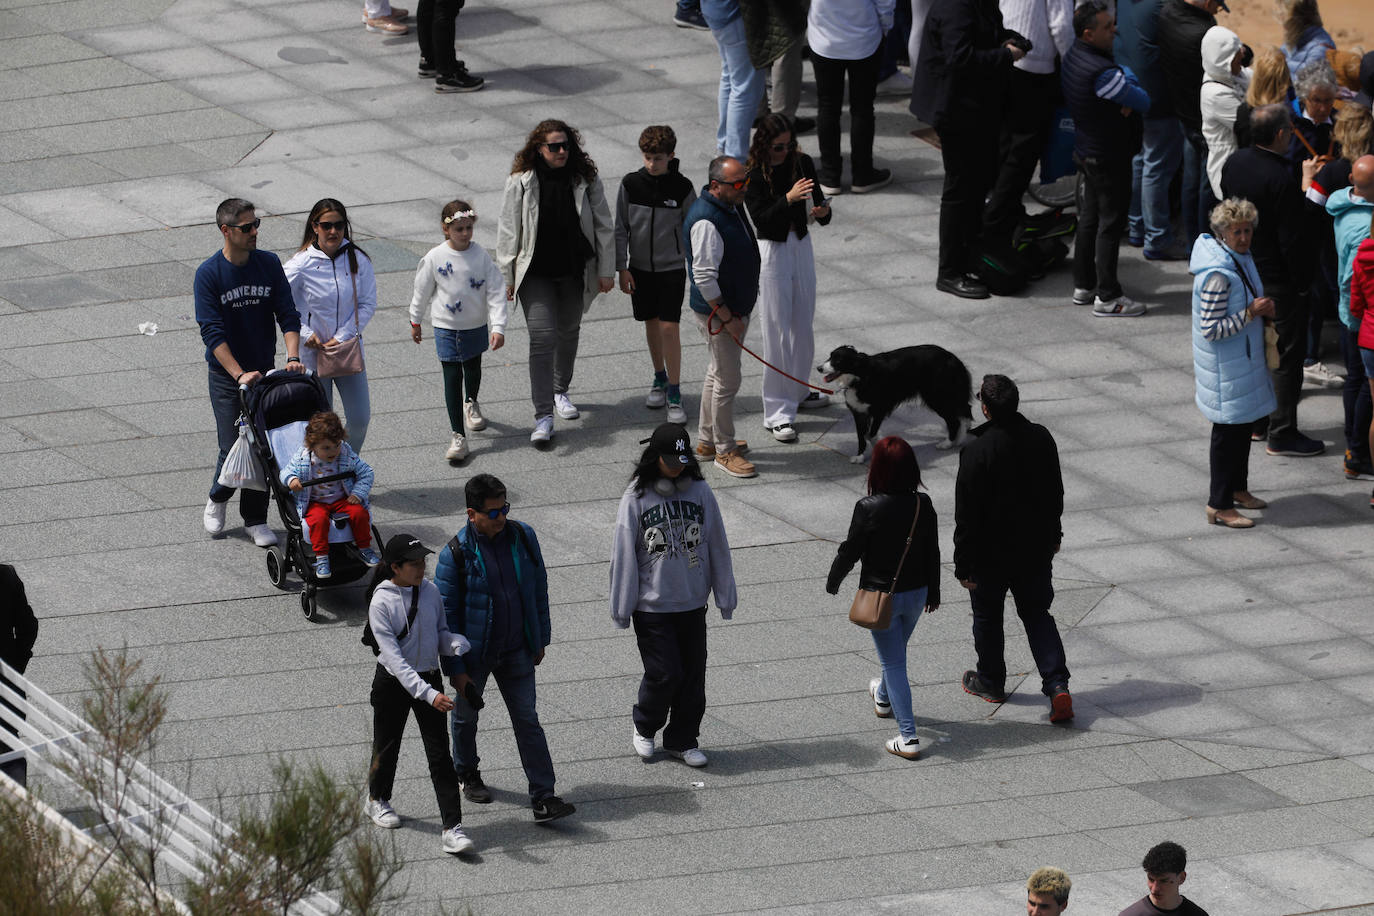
(786, 309)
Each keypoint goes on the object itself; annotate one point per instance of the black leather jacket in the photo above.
(877, 536)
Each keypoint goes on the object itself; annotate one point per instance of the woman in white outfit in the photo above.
(783, 199)
(336, 293)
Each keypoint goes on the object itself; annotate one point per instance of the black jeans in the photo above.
(1026, 117)
(673, 649)
(969, 152)
(1230, 461)
(391, 706)
(435, 27)
(1290, 320)
(1355, 397)
(863, 88)
(1033, 593)
(1102, 212)
(224, 401)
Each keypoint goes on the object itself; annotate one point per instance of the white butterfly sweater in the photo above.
(462, 289)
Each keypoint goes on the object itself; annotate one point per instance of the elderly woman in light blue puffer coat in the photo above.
(1233, 385)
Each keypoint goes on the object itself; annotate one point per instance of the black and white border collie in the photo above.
(875, 385)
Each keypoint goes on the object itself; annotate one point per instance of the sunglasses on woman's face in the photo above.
(557, 147)
(329, 227)
(494, 514)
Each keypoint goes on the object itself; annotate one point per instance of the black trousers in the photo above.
(1359, 409)
(1290, 320)
(1230, 461)
(1026, 117)
(969, 152)
(673, 649)
(18, 770)
(1033, 593)
(1102, 212)
(435, 27)
(391, 706)
(863, 88)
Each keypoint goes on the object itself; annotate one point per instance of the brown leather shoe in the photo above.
(736, 465)
(1234, 520)
(386, 25)
(707, 450)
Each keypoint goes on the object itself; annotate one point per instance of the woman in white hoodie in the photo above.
(336, 293)
(1224, 82)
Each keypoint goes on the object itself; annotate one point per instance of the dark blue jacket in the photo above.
(1137, 47)
(467, 594)
(739, 268)
(1100, 132)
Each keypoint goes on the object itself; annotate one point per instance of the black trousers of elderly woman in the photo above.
(1230, 460)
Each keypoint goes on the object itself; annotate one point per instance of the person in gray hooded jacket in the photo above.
(669, 554)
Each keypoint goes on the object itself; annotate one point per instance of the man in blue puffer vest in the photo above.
(496, 593)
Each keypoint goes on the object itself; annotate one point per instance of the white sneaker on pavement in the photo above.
(644, 747)
(543, 430)
(1317, 374)
(472, 415)
(214, 516)
(458, 448)
(564, 407)
(261, 535)
(1121, 307)
(382, 814)
(693, 756)
(456, 842)
(675, 413)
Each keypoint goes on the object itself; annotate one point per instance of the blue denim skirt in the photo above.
(460, 346)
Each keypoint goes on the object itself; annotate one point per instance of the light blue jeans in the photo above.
(891, 645)
(741, 87)
(1152, 170)
(357, 405)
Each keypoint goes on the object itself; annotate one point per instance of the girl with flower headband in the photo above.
(466, 296)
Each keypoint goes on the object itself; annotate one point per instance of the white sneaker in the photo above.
(456, 842)
(382, 814)
(261, 535)
(676, 414)
(214, 516)
(458, 449)
(564, 407)
(693, 756)
(908, 748)
(1083, 296)
(784, 432)
(543, 430)
(472, 415)
(644, 747)
(896, 84)
(1317, 374)
(656, 397)
(880, 709)
(1120, 307)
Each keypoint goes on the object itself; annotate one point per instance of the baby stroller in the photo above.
(277, 409)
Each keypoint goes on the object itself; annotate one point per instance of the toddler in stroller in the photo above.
(328, 478)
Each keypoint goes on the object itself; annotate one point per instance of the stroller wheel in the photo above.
(308, 602)
(276, 567)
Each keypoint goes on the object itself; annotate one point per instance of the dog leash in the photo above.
(713, 331)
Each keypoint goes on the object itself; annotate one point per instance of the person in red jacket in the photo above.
(1362, 301)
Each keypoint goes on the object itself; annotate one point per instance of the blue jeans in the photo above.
(907, 608)
(741, 87)
(357, 404)
(1033, 593)
(224, 401)
(1152, 171)
(514, 672)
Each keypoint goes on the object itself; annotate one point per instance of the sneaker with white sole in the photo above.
(371, 559)
(261, 535)
(382, 814)
(815, 400)
(564, 407)
(879, 178)
(214, 516)
(472, 415)
(675, 412)
(1317, 374)
(736, 465)
(657, 396)
(456, 842)
(880, 709)
(784, 432)
(322, 568)
(831, 190)
(457, 449)
(1120, 307)
(896, 84)
(908, 748)
(543, 430)
(644, 747)
(1083, 296)
(693, 756)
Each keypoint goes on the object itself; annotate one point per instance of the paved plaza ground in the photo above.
(1224, 681)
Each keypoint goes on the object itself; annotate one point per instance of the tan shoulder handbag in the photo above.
(347, 357)
(872, 609)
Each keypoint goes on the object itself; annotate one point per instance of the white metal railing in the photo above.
(54, 740)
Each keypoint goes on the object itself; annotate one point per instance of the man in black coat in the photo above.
(1263, 175)
(1182, 23)
(18, 632)
(1008, 501)
(961, 75)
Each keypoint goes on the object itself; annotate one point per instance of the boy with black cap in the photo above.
(669, 554)
(410, 631)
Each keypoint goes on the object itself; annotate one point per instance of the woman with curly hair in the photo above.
(783, 198)
(555, 246)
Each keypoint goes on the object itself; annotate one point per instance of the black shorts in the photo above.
(658, 294)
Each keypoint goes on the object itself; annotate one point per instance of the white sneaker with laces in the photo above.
(472, 415)
(656, 397)
(693, 756)
(458, 448)
(543, 430)
(880, 709)
(908, 748)
(564, 407)
(261, 535)
(1317, 374)
(675, 413)
(382, 814)
(456, 842)
(1121, 307)
(214, 516)
(644, 747)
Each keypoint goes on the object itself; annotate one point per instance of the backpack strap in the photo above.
(456, 551)
(410, 618)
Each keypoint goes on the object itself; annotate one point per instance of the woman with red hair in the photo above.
(877, 540)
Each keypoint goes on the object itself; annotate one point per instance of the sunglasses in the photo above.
(494, 514)
(324, 226)
(246, 227)
(784, 147)
(737, 185)
(557, 147)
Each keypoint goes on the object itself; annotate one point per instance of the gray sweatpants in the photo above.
(553, 314)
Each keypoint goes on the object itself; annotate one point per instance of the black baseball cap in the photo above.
(669, 441)
(403, 547)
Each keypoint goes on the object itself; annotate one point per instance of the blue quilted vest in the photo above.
(1232, 381)
(739, 269)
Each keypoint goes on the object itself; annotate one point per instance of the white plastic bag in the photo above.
(241, 469)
